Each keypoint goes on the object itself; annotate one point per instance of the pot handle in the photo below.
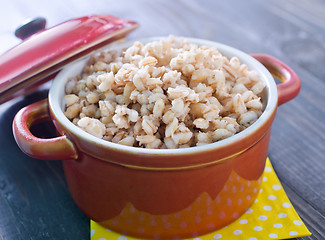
(290, 81)
(57, 148)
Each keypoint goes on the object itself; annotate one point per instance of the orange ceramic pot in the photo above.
(160, 193)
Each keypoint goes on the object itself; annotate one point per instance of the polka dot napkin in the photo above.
(271, 217)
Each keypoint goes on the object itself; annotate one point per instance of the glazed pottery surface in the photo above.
(160, 193)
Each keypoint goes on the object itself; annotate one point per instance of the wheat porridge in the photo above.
(164, 94)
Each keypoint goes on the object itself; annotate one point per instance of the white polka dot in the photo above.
(273, 235)
(229, 202)
(234, 189)
(108, 230)
(282, 215)
(286, 205)
(238, 232)
(208, 201)
(167, 225)
(271, 197)
(164, 218)
(293, 233)
(217, 236)
(261, 190)
(211, 226)
(197, 239)
(195, 234)
(268, 169)
(102, 239)
(255, 190)
(141, 217)
(140, 230)
(122, 238)
(225, 188)
(262, 217)
(278, 225)
(243, 221)
(248, 183)
(248, 197)
(197, 219)
(242, 188)
(209, 211)
(249, 211)
(153, 223)
(252, 238)
(183, 225)
(264, 179)
(256, 200)
(157, 236)
(235, 215)
(132, 209)
(276, 187)
(258, 228)
(240, 201)
(297, 222)
(222, 215)
(92, 232)
(218, 199)
(267, 208)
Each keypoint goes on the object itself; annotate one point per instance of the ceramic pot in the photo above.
(160, 193)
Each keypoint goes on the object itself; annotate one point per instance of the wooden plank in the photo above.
(313, 219)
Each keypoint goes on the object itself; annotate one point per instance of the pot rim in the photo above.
(56, 95)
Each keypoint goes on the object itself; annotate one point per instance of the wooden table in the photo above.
(34, 199)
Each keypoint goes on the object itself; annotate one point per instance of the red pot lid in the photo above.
(39, 56)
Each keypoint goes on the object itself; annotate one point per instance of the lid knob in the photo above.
(30, 27)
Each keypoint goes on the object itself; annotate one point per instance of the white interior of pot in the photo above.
(269, 99)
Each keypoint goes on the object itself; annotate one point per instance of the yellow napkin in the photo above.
(271, 217)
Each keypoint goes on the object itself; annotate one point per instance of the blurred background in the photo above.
(289, 28)
(275, 22)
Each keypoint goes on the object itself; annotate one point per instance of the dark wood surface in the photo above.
(34, 199)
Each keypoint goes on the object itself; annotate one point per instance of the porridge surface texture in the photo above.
(164, 94)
